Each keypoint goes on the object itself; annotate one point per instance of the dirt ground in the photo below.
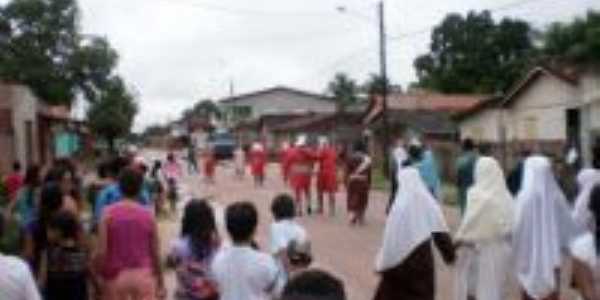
(348, 252)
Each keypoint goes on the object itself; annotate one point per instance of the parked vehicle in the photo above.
(222, 143)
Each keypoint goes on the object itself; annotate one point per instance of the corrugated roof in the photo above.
(271, 90)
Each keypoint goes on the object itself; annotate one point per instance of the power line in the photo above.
(251, 12)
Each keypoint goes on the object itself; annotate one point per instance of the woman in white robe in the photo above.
(586, 180)
(484, 248)
(543, 229)
(416, 222)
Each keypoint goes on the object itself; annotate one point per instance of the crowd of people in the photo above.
(59, 242)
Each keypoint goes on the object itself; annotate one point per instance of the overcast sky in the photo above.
(175, 52)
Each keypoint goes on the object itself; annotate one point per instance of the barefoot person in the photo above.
(543, 229)
(405, 262)
(301, 163)
(284, 161)
(258, 161)
(358, 182)
(327, 175)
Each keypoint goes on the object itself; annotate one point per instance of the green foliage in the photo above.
(204, 109)
(41, 46)
(475, 54)
(376, 84)
(112, 115)
(577, 42)
(344, 91)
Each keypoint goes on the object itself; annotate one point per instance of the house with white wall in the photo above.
(553, 109)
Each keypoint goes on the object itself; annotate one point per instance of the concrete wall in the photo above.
(25, 109)
(280, 101)
(483, 126)
(539, 112)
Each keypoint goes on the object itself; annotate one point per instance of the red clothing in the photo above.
(301, 163)
(284, 160)
(258, 161)
(13, 183)
(327, 176)
(209, 166)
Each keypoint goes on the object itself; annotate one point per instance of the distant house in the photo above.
(273, 101)
(553, 109)
(33, 132)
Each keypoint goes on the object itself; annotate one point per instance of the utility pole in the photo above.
(384, 91)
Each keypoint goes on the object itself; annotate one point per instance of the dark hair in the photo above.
(468, 144)
(56, 174)
(102, 170)
(314, 285)
(130, 183)
(359, 146)
(155, 168)
(51, 201)
(116, 165)
(199, 226)
(241, 219)
(2, 220)
(594, 207)
(32, 176)
(66, 223)
(415, 153)
(16, 166)
(170, 157)
(283, 207)
(596, 157)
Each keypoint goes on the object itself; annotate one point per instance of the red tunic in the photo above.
(258, 161)
(301, 161)
(209, 165)
(327, 176)
(284, 160)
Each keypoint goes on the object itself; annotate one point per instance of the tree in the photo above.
(344, 90)
(112, 115)
(205, 109)
(475, 54)
(41, 46)
(578, 41)
(376, 84)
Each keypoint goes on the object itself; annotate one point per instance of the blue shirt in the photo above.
(112, 194)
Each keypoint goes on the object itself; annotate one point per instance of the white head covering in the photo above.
(587, 180)
(490, 206)
(301, 140)
(543, 228)
(257, 147)
(323, 141)
(414, 216)
(400, 156)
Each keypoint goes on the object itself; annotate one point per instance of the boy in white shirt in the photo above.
(285, 230)
(241, 272)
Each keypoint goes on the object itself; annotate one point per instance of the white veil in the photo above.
(414, 216)
(543, 228)
(587, 179)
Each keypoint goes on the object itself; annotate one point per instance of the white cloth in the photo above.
(282, 233)
(257, 147)
(583, 249)
(543, 228)
(400, 156)
(16, 281)
(482, 271)
(301, 140)
(490, 206)
(243, 273)
(587, 179)
(414, 216)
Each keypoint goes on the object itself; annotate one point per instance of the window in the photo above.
(242, 112)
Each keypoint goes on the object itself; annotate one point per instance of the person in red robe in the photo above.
(210, 163)
(284, 161)
(327, 175)
(301, 167)
(258, 161)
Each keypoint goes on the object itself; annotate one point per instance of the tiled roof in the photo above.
(274, 89)
(427, 101)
